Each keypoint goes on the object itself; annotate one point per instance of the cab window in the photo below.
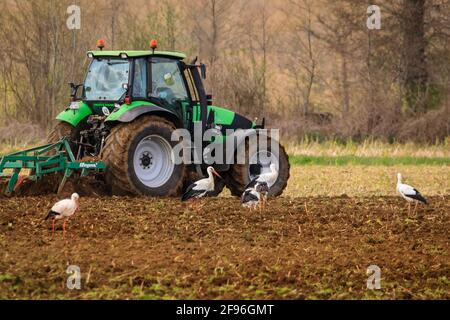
(140, 78)
(167, 82)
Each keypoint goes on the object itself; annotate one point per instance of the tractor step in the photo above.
(44, 160)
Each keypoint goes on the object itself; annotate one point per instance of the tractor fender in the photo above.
(75, 116)
(130, 114)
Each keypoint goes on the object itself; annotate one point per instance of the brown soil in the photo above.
(161, 248)
(48, 185)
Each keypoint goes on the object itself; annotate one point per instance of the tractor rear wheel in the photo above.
(138, 158)
(61, 130)
(240, 175)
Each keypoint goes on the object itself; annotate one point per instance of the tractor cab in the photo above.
(117, 79)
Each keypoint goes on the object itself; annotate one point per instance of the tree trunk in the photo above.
(345, 85)
(414, 53)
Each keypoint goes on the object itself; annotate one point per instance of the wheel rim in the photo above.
(152, 161)
(259, 167)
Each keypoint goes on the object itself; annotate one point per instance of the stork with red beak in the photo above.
(410, 194)
(201, 188)
(63, 209)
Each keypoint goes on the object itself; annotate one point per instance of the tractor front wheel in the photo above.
(138, 158)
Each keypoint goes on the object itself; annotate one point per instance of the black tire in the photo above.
(61, 130)
(238, 176)
(119, 151)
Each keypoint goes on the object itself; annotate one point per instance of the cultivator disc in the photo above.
(48, 166)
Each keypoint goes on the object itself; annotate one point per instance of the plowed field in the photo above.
(298, 248)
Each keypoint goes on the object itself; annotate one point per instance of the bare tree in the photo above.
(302, 53)
(114, 12)
(311, 57)
(212, 27)
(414, 54)
(257, 43)
(39, 50)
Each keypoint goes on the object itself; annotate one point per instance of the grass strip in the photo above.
(366, 161)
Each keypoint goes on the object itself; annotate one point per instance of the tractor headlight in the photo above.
(74, 105)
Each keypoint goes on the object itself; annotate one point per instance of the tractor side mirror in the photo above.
(74, 90)
(203, 70)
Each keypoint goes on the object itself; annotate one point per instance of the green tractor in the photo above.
(131, 102)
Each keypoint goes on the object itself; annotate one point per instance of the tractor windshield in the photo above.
(107, 79)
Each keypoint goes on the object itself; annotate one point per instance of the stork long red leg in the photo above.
(64, 228)
(53, 228)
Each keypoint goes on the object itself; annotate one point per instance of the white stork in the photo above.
(63, 209)
(269, 177)
(201, 188)
(409, 193)
(253, 197)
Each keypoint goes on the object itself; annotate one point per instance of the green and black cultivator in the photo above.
(55, 158)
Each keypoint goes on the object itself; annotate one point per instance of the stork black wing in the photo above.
(190, 192)
(417, 196)
(51, 214)
(248, 196)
